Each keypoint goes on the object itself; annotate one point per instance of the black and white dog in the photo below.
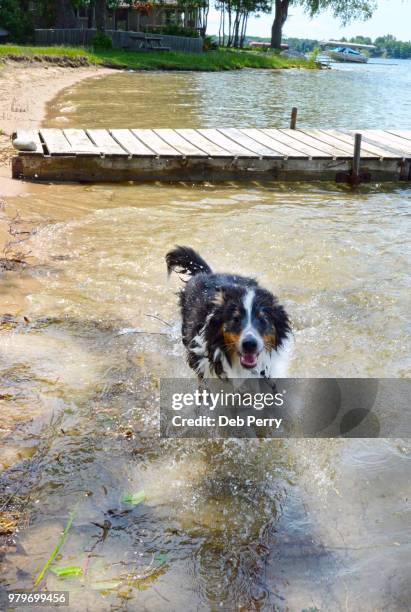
(232, 327)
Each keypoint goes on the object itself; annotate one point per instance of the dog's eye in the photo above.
(261, 315)
(235, 316)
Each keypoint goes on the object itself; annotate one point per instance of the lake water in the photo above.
(272, 525)
(348, 96)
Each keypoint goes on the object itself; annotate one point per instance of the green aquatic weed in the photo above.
(69, 570)
(134, 498)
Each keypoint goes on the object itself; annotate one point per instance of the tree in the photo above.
(389, 46)
(201, 8)
(100, 7)
(65, 15)
(280, 17)
(90, 14)
(15, 18)
(361, 40)
(345, 10)
(234, 15)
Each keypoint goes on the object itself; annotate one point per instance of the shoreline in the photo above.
(25, 91)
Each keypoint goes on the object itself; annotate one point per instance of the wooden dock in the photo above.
(99, 155)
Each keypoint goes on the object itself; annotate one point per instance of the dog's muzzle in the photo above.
(250, 348)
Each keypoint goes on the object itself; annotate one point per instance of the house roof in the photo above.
(3, 32)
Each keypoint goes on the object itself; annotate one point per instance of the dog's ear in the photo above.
(282, 324)
(277, 315)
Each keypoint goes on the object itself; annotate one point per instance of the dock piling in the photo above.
(355, 175)
(293, 120)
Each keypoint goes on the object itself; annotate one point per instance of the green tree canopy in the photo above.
(15, 18)
(345, 10)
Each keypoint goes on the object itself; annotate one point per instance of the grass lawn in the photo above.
(223, 59)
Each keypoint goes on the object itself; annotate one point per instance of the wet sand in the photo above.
(25, 90)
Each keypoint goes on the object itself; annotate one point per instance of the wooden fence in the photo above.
(78, 36)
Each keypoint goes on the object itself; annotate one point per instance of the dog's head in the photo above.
(245, 322)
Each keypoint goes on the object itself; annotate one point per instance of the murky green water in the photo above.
(235, 525)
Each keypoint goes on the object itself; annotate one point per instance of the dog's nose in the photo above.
(249, 344)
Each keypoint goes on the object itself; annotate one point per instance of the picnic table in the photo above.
(147, 42)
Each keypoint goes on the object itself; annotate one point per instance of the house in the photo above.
(141, 16)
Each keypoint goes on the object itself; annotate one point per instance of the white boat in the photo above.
(346, 52)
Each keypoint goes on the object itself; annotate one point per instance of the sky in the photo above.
(391, 17)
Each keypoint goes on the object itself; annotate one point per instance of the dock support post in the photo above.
(293, 120)
(355, 175)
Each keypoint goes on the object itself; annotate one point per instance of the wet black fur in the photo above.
(212, 300)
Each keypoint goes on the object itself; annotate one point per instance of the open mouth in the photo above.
(248, 360)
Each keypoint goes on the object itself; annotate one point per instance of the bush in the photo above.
(102, 41)
(16, 21)
(312, 56)
(209, 44)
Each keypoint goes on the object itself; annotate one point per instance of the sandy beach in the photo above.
(25, 89)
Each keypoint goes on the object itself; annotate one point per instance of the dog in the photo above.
(231, 327)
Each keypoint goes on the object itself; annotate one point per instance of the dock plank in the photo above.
(401, 133)
(157, 144)
(199, 141)
(220, 140)
(346, 148)
(381, 138)
(281, 148)
(323, 148)
(179, 143)
(56, 142)
(31, 136)
(248, 142)
(298, 145)
(348, 137)
(392, 140)
(105, 142)
(130, 143)
(397, 140)
(80, 142)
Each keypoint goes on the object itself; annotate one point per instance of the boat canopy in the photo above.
(346, 50)
(340, 43)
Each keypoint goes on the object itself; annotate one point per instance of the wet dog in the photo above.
(232, 327)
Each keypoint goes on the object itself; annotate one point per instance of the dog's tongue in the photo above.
(248, 360)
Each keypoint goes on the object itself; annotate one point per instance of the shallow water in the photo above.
(348, 96)
(271, 525)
